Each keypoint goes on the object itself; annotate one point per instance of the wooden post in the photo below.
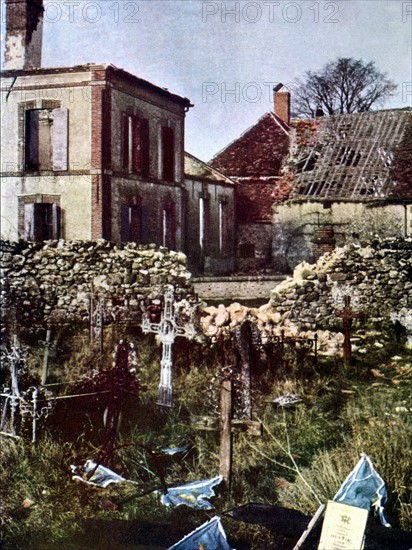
(243, 341)
(46, 358)
(348, 315)
(227, 426)
(310, 526)
(225, 454)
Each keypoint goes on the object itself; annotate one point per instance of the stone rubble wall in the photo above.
(52, 281)
(236, 288)
(377, 277)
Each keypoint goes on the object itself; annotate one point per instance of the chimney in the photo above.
(24, 26)
(282, 103)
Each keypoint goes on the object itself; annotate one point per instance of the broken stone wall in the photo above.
(377, 277)
(53, 281)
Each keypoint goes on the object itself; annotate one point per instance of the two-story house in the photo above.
(92, 151)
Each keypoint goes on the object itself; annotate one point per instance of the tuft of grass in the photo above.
(384, 435)
(41, 507)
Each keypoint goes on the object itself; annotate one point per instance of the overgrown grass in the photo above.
(305, 449)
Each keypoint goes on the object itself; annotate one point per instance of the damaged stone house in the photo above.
(350, 180)
(92, 151)
(210, 217)
(306, 186)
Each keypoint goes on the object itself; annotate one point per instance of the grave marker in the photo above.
(227, 426)
(167, 330)
(347, 315)
(96, 319)
(343, 527)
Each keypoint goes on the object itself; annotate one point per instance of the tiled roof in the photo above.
(257, 152)
(355, 156)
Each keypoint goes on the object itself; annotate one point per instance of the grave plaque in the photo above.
(343, 527)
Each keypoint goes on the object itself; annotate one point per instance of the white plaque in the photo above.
(343, 527)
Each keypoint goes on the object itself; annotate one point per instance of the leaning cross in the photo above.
(347, 315)
(168, 330)
(227, 425)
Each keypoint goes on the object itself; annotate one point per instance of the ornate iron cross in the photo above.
(167, 329)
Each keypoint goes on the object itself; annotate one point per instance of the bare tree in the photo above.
(343, 86)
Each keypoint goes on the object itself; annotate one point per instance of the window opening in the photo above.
(169, 226)
(42, 222)
(46, 139)
(202, 223)
(131, 223)
(223, 228)
(168, 154)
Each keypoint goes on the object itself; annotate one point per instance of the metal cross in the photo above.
(22, 402)
(167, 329)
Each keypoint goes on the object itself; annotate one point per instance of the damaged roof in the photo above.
(197, 169)
(353, 156)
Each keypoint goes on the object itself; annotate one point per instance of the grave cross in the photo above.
(22, 402)
(13, 397)
(167, 329)
(96, 320)
(347, 315)
(227, 425)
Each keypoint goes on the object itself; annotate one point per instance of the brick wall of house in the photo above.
(254, 162)
(153, 198)
(160, 112)
(258, 152)
(254, 199)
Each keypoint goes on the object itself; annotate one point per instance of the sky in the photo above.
(226, 56)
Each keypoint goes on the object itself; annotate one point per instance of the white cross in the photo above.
(167, 329)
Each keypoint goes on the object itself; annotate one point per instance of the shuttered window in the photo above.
(42, 222)
(60, 139)
(46, 139)
(127, 142)
(135, 145)
(144, 148)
